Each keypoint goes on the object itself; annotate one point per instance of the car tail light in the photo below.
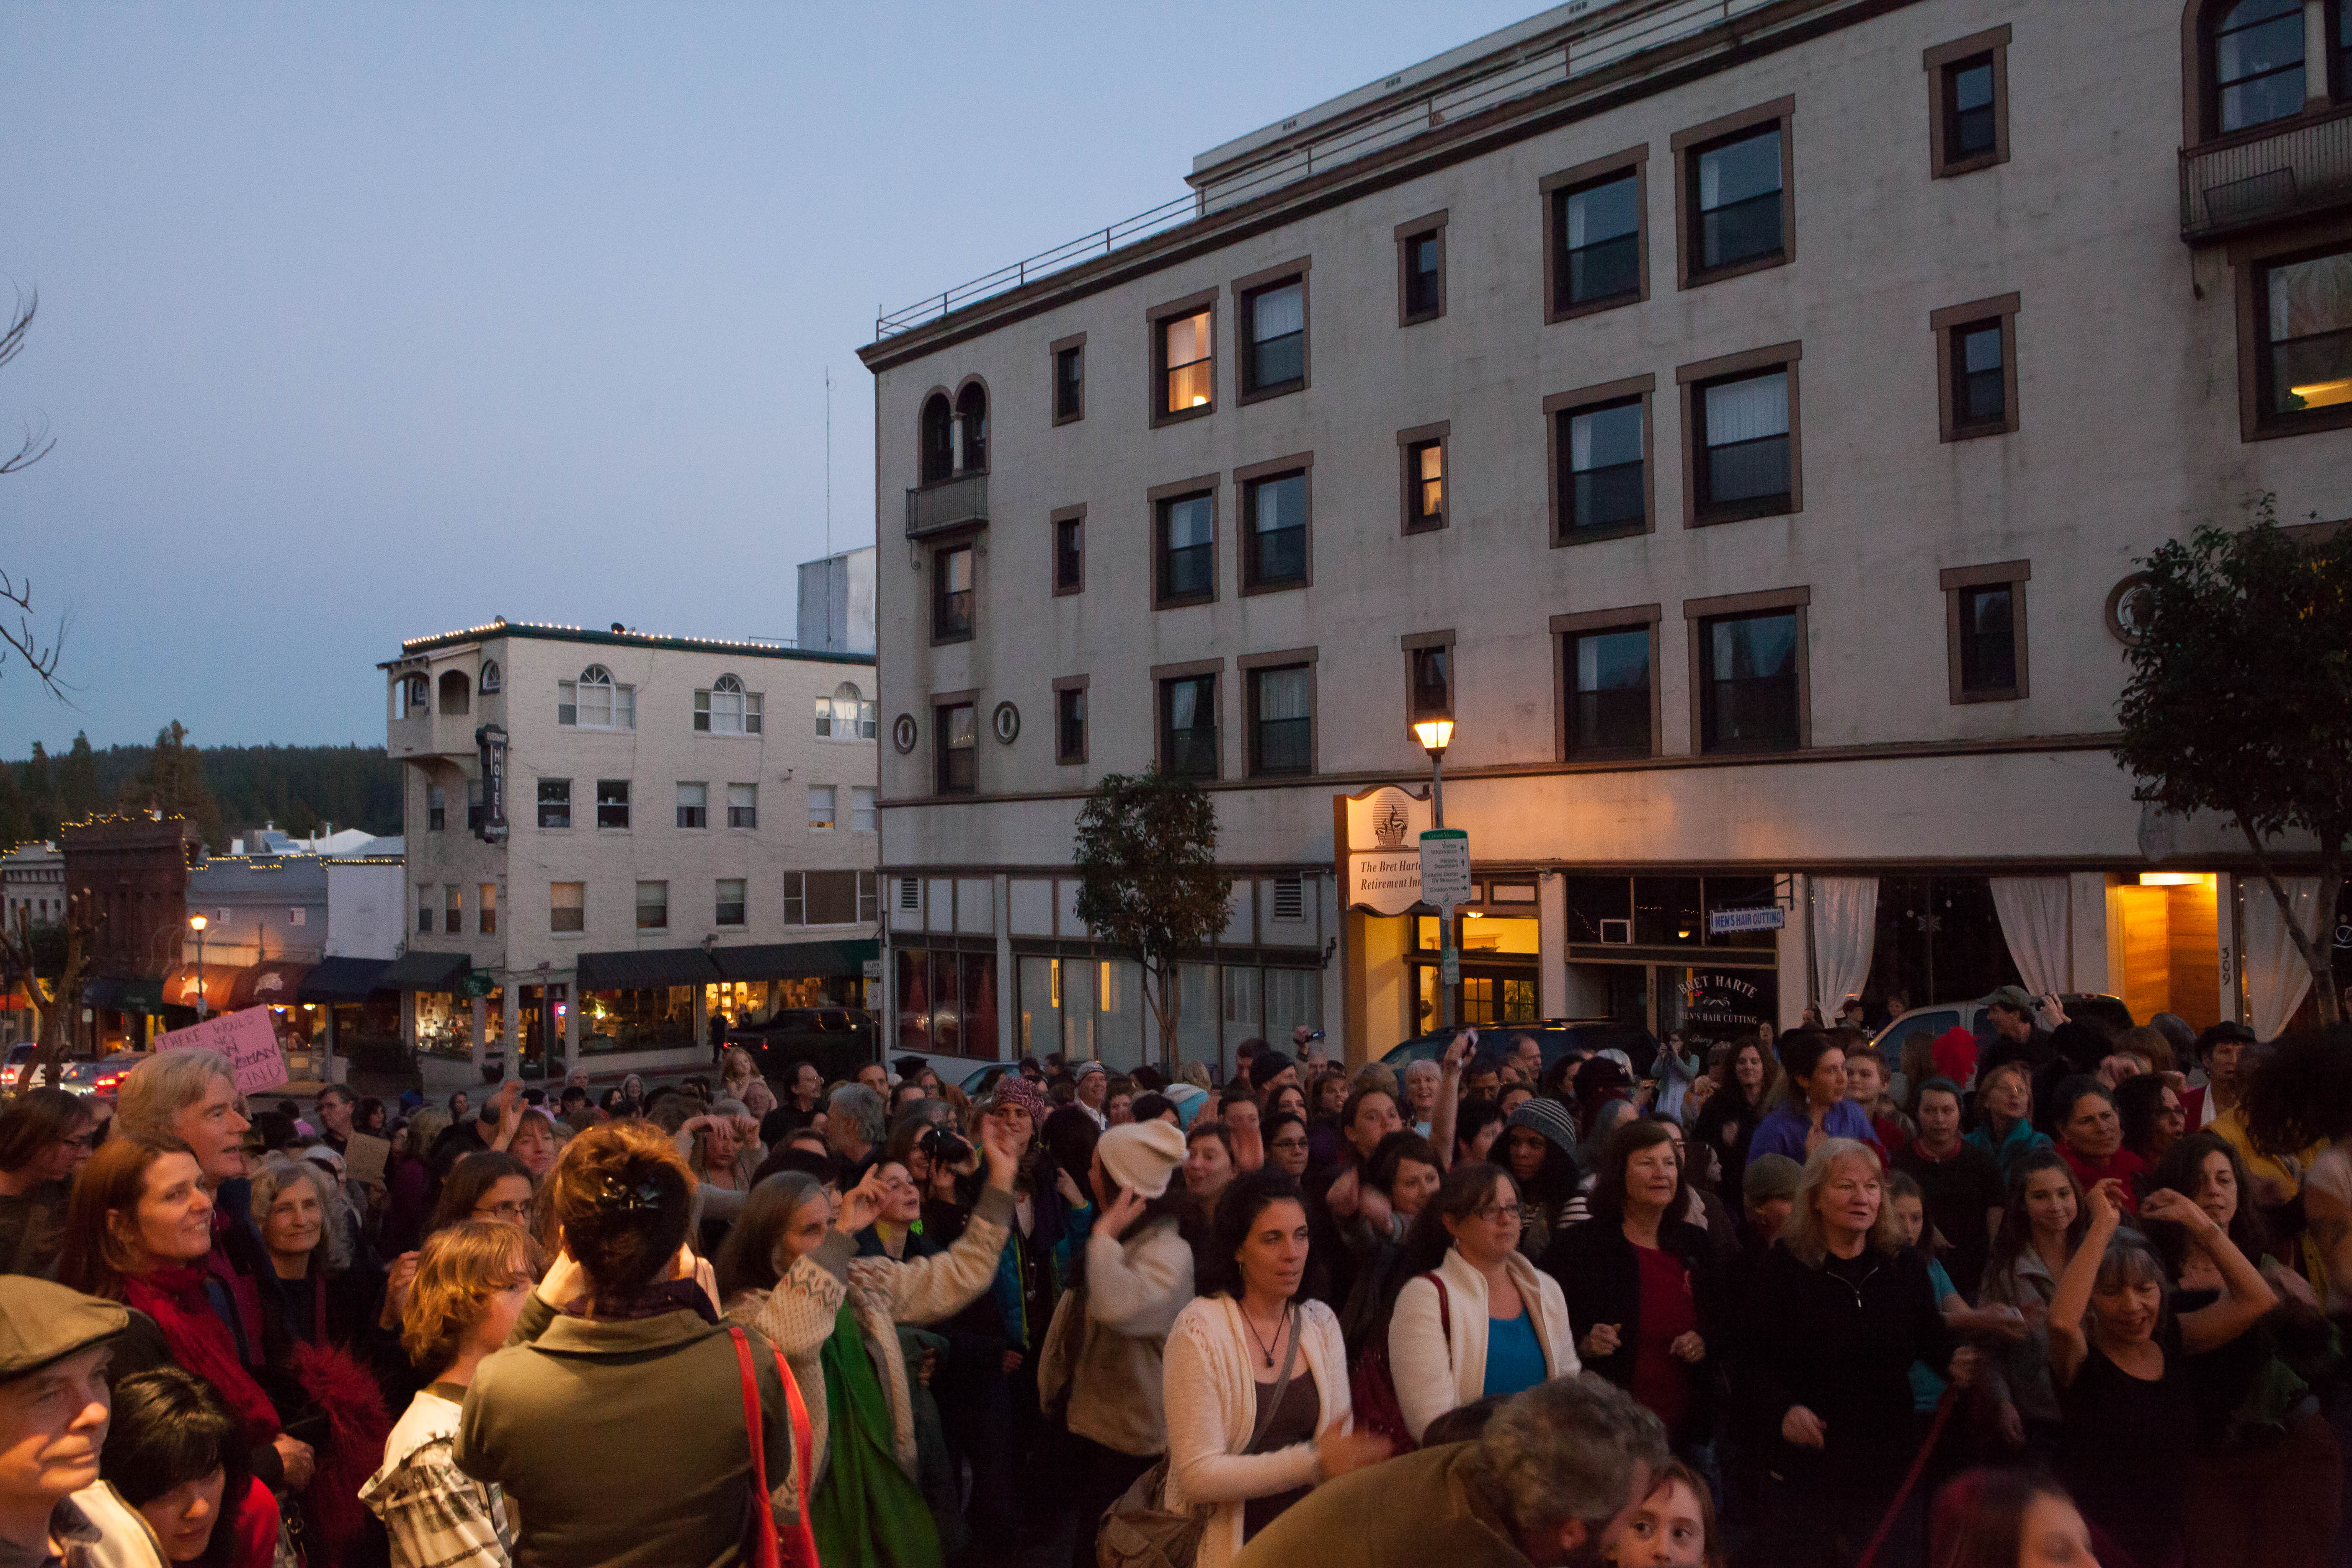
(105, 1085)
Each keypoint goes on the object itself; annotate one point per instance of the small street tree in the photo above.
(1149, 883)
(48, 964)
(2240, 703)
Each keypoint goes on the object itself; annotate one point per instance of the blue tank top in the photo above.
(1515, 1359)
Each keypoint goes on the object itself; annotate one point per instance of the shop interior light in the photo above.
(2172, 879)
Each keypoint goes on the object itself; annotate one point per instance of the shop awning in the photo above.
(342, 980)
(425, 972)
(641, 969)
(221, 981)
(275, 983)
(796, 959)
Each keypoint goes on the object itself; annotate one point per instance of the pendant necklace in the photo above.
(1278, 1322)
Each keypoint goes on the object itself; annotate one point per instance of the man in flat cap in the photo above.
(53, 1510)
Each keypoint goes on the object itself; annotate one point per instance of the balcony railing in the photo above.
(2255, 178)
(952, 503)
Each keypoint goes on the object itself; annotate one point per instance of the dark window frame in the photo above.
(1064, 687)
(943, 630)
(2201, 80)
(1409, 444)
(1699, 614)
(718, 906)
(613, 797)
(1942, 65)
(1247, 480)
(560, 801)
(1432, 226)
(1555, 190)
(1246, 291)
(1157, 497)
(1562, 406)
(1074, 519)
(1957, 582)
(1075, 345)
(1414, 646)
(1164, 677)
(1693, 380)
(1155, 390)
(943, 752)
(935, 439)
(1949, 324)
(965, 444)
(1688, 146)
(2250, 260)
(1564, 630)
(1251, 667)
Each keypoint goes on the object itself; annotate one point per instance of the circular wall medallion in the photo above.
(2128, 604)
(1007, 722)
(903, 733)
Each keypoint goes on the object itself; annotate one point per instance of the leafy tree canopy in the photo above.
(1148, 880)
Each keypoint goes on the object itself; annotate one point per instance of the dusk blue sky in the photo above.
(363, 323)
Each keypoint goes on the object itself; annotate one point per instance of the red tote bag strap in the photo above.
(1444, 1305)
(800, 1551)
(754, 1428)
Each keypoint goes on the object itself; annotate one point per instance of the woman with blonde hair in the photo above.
(472, 1280)
(738, 1070)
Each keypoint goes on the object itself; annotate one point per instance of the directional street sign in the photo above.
(1445, 866)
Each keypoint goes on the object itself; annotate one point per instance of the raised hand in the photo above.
(1803, 1428)
(860, 1204)
(1003, 1147)
(1123, 1212)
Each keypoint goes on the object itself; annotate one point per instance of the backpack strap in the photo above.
(764, 1550)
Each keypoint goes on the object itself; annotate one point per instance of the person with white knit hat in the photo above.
(1102, 1355)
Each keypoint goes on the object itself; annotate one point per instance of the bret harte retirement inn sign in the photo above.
(1380, 847)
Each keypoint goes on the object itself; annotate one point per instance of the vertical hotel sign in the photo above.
(1378, 835)
(491, 739)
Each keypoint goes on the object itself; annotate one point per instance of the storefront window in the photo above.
(1938, 939)
(657, 1019)
(1717, 1004)
(444, 1024)
(1478, 933)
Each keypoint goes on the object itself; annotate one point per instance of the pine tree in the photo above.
(173, 783)
(14, 828)
(40, 797)
(78, 794)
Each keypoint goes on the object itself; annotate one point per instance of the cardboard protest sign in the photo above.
(364, 1158)
(247, 1039)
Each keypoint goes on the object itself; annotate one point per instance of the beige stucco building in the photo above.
(612, 835)
(1742, 420)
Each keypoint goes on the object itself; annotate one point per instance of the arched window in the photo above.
(596, 702)
(489, 676)
(972, 424)
(938, 440)
(847, 715)
(726, 708)
(411, 695)
(457, 692)
(2257, 67)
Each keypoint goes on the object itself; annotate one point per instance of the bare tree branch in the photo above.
(41, 659)
(12, 339)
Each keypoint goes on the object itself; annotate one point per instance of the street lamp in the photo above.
(196, 923)
(1435, 735)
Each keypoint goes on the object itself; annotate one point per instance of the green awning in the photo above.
(645, 969)
(425, 972)
(118, 993)
(796, 959)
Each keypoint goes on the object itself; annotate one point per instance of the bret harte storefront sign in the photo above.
(1379, 835)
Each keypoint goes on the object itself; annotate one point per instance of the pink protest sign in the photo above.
(246, 1039)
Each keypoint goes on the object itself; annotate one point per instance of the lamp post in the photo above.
(1435, 735)
(196, 923)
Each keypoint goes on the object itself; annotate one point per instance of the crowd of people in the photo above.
(2058, 1296)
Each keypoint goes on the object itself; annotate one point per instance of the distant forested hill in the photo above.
(224, 790)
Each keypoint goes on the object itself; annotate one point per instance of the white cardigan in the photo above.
(1435, 1373)
(1210, 1386)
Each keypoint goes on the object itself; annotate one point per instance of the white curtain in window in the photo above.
(2034, 912)
(1282, 694)
(1744, 169)
(1293, 996)
(1197, 1021)
(1604, 438)
(1278, 312)
(2277, 979)
(1748, 410)
(1845, 929)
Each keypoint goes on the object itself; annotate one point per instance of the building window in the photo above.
(1274, 531)
(453, 910)
(456, 693)
(1070, 722)
(1976, 361)
(830, 898)
(1070, 551)
(2257, 63)
(937, 441)
(726, 708)
(861, 808)
(1602, 450)
(410, 693)
(731, 901)
(594, 703)
(1984, 616)
(1187, 572)
(555, 803)
(1609, 698)
(1282, 721)
(1596, 243)
(1188, 727)
(958, 733)
(567, 906)
(1183, 358)
(1741, 453)
(952, 594)
(1734, 212)
(847, 715)
(1421, 269)
(971, 428)
(2304, 314)
(743, 806)
(425, 909)
(1968, 120)
(694, 805)
(489, 905)
(821, 802)
(611, 803)
(436, 808)
(1422, 476)
(1069, 379)
(490, 678)
(1749, 682)
(1274, 335)
(653, 906)
(1429, 694)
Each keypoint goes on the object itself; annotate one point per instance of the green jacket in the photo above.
(1409, 1512)
(621, 1442)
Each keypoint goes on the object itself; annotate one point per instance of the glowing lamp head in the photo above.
(197, 923)
(1435, 734)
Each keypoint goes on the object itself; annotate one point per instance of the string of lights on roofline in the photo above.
(501, 624)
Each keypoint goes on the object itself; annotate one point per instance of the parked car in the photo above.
(1555, 1037)
(18, 1054)
(1940, 1017)
(839, 1040)
(75, 1075)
